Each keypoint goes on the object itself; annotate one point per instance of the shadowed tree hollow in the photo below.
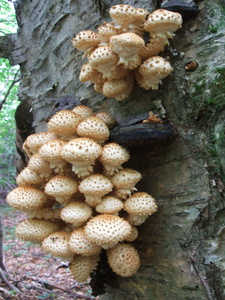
(182, 245)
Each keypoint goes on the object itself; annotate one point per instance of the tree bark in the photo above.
(182, 245)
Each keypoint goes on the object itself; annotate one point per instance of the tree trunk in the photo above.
(182, 245)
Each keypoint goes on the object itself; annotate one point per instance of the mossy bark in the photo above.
(182, 245)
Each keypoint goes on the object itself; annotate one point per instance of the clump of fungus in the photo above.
(122, 46)
(78, 198)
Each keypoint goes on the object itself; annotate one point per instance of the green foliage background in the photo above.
(7, 122)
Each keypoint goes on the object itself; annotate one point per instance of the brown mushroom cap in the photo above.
(105, 31)
(82, 266)
(28, 177)
(83, 111)
(109, 205)
(64, 123)
(88, 73)
(26, 198)
(86, 40)
(107, 118)
(93, 128)
(35, 230)
(76, 213)
(133, 235)
(123, 259)
(40, 166)
(141, 204)
(79, 244)
(57, 244)
(107, 230)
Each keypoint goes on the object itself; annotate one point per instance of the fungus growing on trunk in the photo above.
(86, 41)
(82, 266)
(76, 213)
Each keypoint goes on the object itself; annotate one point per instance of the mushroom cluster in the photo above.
(78, 197)
(120, 53)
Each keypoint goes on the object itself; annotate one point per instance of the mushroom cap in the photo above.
(35, 230)
(26, 198)
(39, 165)
(133, 235)
(51, 151)
(96, 185)
(109, 205)
(57, 244)
(82, 266)
(123, 259)
(162, 20)
(79, 244)
(61, 185)
(155, 66)
(140, 203)
(64, 123)
(114, 154)
(76, 212)
(85, 39)
(34, 141)
(93, 128)
(81, 149)
(107, 118)
(28, 177)
(45, 213)
(106, 229)
(105, 31)
(83, 110)
(126, 178)
(88, 73)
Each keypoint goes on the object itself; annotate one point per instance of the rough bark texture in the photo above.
(182, 245)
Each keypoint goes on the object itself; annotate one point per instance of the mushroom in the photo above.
(152, 71)
(109, 205)
(83, 111)
(45, 213)
(40, 166)
(94, 187)
(51, 151)
(124, 181)
(93, 128)
(64, 123)
(86, 41)
(155, 45)
(34, 141)
(82, 266)
(62, 188)
(127, 46)
(35, 230)
(28, 177)
(26, 198)
(81, 153)
(79, 244)
(107, 118)
(88, 73)
(140, 203)
(107, 230)
(136, 220)
(77, 213)
(105, 31)
(112, 157)
(133, 235)
(57, 244)
(123, 259)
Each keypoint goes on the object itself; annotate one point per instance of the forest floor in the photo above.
(34, 273)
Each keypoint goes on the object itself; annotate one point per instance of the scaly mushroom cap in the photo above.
(86, 40)
(152, 71)
(61, 187)
(76, 213)
(45, 213)
(105, 31)
(83, 111)
(154, 47)
(57, 244)
(109, 205)
(141, 204)
(35, 230)
(81, 153)
(104, 60)
(26, 198)
(82, 266)
(163, 23)
(124, 259)
(133, 235)
(107, 230)
(93, 128)
(79, 244)
(88, 73)
(107, 118)
(64, 123)
(94, 187)
(112, 157)
(28, 177)
(40, 166)
(34, 141)
(127, 46)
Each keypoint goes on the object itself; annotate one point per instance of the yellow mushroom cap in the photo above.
(76, 212)
(79, 244)
(109, 205)
(83, 111)
(126, 178)
(28, 177)
(26, 198)
(85, 39)
(140, 203)
(107, 230)
(51, 151)
(35, 230)
(123, 259)
(64, 123)
(93, 128)
(82, 266)
(57, 244)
